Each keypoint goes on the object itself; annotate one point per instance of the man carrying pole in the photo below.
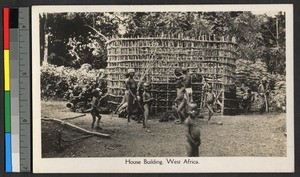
(131, 88)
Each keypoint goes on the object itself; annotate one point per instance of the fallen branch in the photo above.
(77, 128)
(100, 34)
(68, 118)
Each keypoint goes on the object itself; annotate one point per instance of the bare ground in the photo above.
(241, 135)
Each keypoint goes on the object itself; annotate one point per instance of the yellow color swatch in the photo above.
(6, 71)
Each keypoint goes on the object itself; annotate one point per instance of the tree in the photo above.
(71, 40)
(273, 30)
(77, 38)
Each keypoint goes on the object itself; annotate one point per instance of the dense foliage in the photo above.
(250, 74)
(278, 93)
(77, 38)
(62, 82)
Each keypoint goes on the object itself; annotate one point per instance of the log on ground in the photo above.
(77, 128)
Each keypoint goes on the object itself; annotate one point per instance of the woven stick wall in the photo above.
(211, 58)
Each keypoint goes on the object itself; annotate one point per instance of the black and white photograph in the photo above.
(179, 88)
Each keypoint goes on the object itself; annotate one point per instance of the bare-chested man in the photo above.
(187, 82)
(124, 103)
(131, 88)
(192, 133)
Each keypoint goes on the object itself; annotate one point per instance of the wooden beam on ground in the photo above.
(77, 128)
(68, 118)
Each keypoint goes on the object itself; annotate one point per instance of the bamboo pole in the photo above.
(77, 128)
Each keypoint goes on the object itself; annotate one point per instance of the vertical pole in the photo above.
(277, 33)
(223, 100)
(277, 44)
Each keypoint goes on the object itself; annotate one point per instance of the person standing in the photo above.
(147, 99)
(131, 88)
(94, 110)
(181, 103)
(192, 133)
(209, 102)
(204, 89)
(187, 82)
(264, 91)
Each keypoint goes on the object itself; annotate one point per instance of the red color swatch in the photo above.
(6, 28)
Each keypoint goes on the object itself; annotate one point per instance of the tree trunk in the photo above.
(45, 61)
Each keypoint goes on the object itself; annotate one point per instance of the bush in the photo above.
(60, 82)
(251, 74)
(278, 94)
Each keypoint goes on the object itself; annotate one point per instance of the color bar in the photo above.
(8, 166)
(7, 113)
(6, 70)
(6, 28)
(7, 126)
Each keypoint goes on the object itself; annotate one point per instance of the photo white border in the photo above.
(117, 164)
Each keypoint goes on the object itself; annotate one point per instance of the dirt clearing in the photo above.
(241, 135)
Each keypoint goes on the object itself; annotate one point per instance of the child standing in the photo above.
(180, 104)
(147, 103)
(209, 102)
(192, 133)
(95, 111)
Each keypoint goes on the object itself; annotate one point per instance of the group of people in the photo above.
(80, 96)
(138, 103)
(184, 101)
(263, 96)
(185, 109)
(132, 101)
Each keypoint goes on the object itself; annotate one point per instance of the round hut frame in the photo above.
(155, 59)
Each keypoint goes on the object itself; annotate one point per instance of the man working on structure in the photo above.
(187, 82)
(131, 88)
(101, 81)
(178, 77)
(264, 90)
(192, 133)
(124, 103)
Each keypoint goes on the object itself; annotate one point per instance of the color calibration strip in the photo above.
(7, 104)
(17, 89)
(14, 88)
